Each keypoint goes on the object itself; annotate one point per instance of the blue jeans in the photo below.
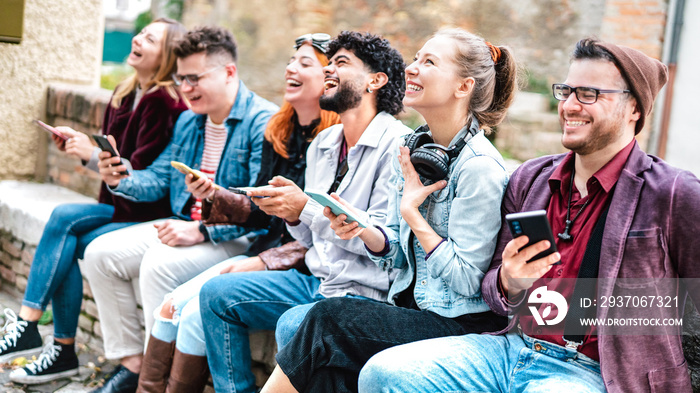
(233, 304)
(185, 328)
(54, 275)
(481, 363)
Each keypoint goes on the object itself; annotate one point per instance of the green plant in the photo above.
(142, 21)
(46, 318)
(540, 85)
(411, 118)
(112, 75)
(174, 9)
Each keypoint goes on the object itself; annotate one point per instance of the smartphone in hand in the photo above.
(186, 170)
(50, 129)
(336, 207)
(535, 226)
(244, 190)
(104, 145)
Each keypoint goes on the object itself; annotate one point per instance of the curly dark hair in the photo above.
(378, 56)
(210, 39)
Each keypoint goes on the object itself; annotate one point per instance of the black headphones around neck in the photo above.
(431, 160)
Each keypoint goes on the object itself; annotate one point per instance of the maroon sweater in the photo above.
(141, 136)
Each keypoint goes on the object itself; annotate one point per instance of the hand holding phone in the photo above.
(530, 254)
(337, 209)
(196, 175)
(244, 190)
(535, 226)
(104, 145)
(51, 130)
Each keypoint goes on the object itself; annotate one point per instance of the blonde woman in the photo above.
(139, 121)
(442, 222)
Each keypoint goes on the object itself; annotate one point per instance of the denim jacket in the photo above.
(466, 213)
(342, 265)
(239, 165)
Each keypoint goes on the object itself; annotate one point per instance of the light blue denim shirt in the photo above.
(239, 165)
(342, 265)
(467, 214)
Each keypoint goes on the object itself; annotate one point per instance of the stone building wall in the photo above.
(541, 32)
(62, 42)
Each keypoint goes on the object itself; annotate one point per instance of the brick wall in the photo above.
(81, 109)
(639, 24)
(15, 261)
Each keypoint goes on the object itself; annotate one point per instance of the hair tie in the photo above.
(495, 52)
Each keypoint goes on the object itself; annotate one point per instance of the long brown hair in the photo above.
(168, 63)
(495, 76)
(281, 124)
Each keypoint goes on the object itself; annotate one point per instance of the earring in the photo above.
(369, 90)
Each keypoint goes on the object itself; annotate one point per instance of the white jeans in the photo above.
(114, 260)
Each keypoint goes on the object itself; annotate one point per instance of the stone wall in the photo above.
(62, 42)
(24, 210)
(15, 260)
(541, 32)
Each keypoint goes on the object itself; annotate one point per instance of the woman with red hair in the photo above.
(176, 355)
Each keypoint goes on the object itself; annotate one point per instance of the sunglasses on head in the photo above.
(319, 41)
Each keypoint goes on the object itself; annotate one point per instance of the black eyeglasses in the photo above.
(319, 41)
(584, 95)
(192, 79)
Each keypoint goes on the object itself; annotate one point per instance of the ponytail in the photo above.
(504, 89)
(494, 71)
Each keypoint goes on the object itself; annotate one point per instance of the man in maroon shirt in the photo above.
(648, 240)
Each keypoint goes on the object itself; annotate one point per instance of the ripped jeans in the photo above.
(185, 328)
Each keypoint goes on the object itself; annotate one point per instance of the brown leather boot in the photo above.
(188, 374)
(156, 366)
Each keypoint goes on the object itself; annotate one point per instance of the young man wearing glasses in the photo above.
(364, 84)
(221, 135)
(626, 227)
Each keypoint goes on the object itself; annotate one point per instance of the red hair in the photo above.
(281, 126)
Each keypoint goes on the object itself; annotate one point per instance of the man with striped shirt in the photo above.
(221, 135)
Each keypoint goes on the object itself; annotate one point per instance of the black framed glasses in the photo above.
(192, 79)
(584, 95)
(319, 41)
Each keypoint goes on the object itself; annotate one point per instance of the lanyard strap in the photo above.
(588, 269)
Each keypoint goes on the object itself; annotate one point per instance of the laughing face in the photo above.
(146, 49)
(210, 94)
(433, 77)
(346, 80)
(604, 124)
(304, 77)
